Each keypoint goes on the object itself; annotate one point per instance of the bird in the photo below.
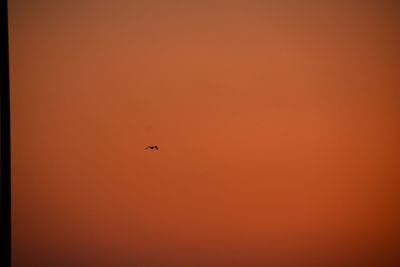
(152, 147)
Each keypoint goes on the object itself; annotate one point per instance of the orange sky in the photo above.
(277, 122)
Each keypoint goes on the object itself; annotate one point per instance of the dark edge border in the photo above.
(5, 188)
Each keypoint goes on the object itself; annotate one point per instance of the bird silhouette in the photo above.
(152, 147)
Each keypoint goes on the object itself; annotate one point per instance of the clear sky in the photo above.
(278, 125)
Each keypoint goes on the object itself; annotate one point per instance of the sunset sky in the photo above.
(278, 126)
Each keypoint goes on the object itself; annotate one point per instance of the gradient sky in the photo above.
(278, 124)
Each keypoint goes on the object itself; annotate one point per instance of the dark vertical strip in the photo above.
(5, 139)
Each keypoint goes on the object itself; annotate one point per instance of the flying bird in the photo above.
(152, 147)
